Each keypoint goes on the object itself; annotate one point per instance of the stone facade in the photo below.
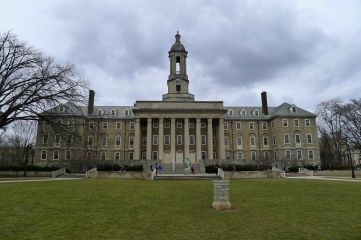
(176, 128)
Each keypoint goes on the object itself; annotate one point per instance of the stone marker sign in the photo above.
(221, 195)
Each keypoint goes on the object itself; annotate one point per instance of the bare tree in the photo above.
(351, 119)
(31, 83)
(331, 127)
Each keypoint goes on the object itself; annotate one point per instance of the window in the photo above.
(179, 139)
(57, 140)
(117, 156)
(226, 141)
(45, 138)
(225, 125)
(43, 154)
(243, 113)
(105, 125)
(91, 125)
(264, 125)
(299, 155)
(56, 155)
(131, 125)
(284, 122)
(251, 126)
(155, 139)
(166, 124)
(67, 155)
(103, 156)
(293, 109)
(69, 139)
(62, 108)
(239, 141)
(265, 141)
(117, 141)
(126, 112)
(131, 142)
(230, 113)
(155, 155)
(90, 141)
(288, 154)
(286, 139)
(309, 138)
(89, 156)
(191, 124)
(203, 124)
(252, 141)
(178, 82)
(310, 154)
(144, 140)
(296, 123)
(191, 139)
(118, 125)
(274, 140)
(204, 155)
(114, 112)
(179, 124)
(100, 112)
(307, 122)
(104, 141)
(238, 125)
(253, 155)
(155, 124)
(239, 155)
(131, 155)
(256, 113)
(297, 138)
(166, 139)
(144, 155)
(266, 155)
(204, 139)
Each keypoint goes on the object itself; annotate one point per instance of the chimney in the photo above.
(264, 103)
(91, 102)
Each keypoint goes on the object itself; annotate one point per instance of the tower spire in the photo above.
(177, 37)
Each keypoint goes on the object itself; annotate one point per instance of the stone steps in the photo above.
(187, 177)
(178, 169)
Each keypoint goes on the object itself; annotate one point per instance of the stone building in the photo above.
(178, 127)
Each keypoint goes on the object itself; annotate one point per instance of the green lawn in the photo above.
(126, 209)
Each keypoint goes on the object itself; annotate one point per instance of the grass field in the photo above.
(126, 209)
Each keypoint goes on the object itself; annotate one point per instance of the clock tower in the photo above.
(178, 80)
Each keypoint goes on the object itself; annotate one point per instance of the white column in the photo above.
(172, 139)
(210, 139)
(220, 153)
(137, 139)
(160, 139)
(198, 140)
(186, 138)
(149, 139)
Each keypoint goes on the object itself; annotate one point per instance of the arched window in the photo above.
(230, 112)
(178, 85)
(177, 64)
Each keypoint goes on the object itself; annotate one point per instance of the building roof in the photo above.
(177, 46)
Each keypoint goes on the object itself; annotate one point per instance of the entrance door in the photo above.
(179, 157)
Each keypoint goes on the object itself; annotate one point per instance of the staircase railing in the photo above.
(59, 172)
(220, 173)
(305, 171)
(90, 171)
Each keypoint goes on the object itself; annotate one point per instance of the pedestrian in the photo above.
(156, 169)
(160, 168)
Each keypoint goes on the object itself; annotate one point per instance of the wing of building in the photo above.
(176, 128)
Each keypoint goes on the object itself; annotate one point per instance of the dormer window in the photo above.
(230, 113)
(126, 112)
(62, 108)
(100, 112)
(243, 112)
(256, 113)
(178, 83)
(114, 112)
(293, 109)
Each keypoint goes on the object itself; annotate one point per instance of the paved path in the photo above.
(330, 178)
(39, 180)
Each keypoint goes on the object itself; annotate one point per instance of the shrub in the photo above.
(235, 167)
(28, 168)
(293, 169)
(135, 168)
(109, 167)
(311, 167)
(212, 168)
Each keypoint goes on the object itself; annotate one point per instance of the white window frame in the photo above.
(265, 137)
(251, 124)
(239, 155)
(253, 155)
(91, 125)
(115, 156)
(166, 139)
(166, 124)
(132, 125)
(117, 146)
(104, 125)
(103, 156)
(155, 139)
(191, 124)
(226, 141)
(238, 125)
(155, 155)
(69, 137)
(243, 113)
(296, 121)
(256, 113)
(239, 141)
(203, 155)
(66, 157)
(57, 143)
(179, 124)
(42, 154)
(313, 154)
(130, 140)
(288, 151)
(118, 125)
(131, 156)
(309, 135)
(225, 124)
(203, 140)
(284, 121)
(102, 142)
(284, 139)
(299, 157)
(264, 125)
(56, 151)
(179, 140)
(254, 141)
(299, 138)
(307, 122)
(192, 139)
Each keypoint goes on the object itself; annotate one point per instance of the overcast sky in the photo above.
(301, 52)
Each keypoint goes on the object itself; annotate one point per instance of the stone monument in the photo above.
(221, 195)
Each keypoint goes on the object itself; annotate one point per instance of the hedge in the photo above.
(235, 167)
(116, 167)
(28, 168)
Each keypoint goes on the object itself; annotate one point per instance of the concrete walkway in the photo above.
(39, 180)
(330, 178)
